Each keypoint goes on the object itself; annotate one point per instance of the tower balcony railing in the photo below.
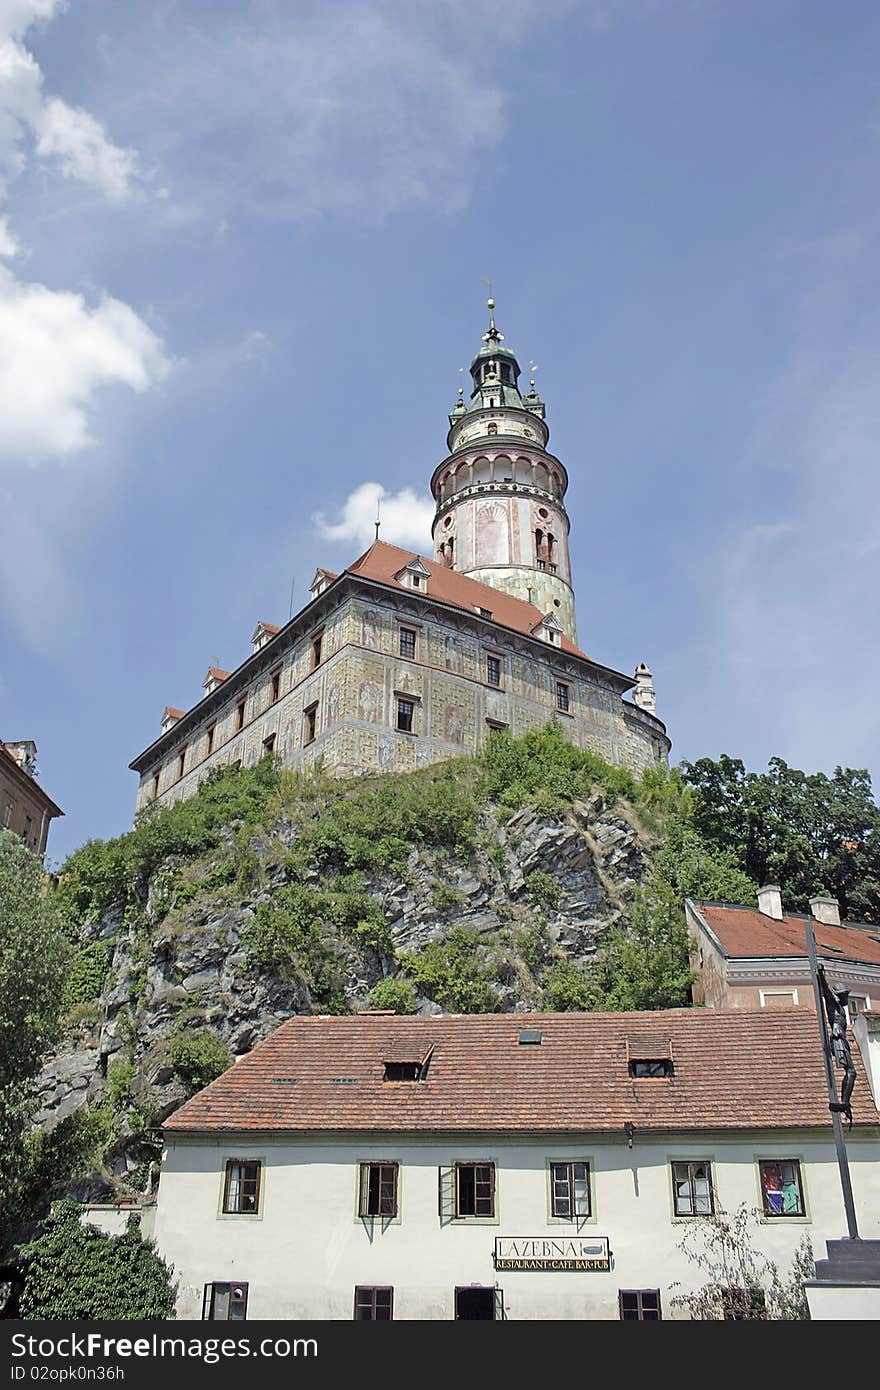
(500, 485)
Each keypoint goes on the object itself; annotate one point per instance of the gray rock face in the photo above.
(181, 970)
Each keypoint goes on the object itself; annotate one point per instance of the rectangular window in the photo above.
(405, 716)
(276, 685)
(155, 794)
(644, 1066)
(743, 1305)
(408, 643)
(417, 581)
(317, 648)
(225, 1302)
(493, 670)
(858, 1004)
(570, 1189)
(781, 1189)
(239, 715)
(475, 1189)
(269, 744)
(562, 695)
(495, 726)
(241, 1186)
(209, 748)
(378, 1194)
(639, 1305)
(181, 763)
(692, 1188)
(485, 612)
(373, 1305)
(310, 724)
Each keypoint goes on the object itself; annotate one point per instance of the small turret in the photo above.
(643, 695)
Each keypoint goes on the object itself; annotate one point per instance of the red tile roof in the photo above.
(744, 931)
(734, 1069)
(384, 562)
(173, 713)
(217, 674)
(268, 627)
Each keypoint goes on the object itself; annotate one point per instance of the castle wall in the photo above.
(361, 676)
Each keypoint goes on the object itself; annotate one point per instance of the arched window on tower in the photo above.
(551, 552)
(540, 549)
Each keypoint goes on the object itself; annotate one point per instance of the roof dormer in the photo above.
(263, 633)
(548, 630)
(322, 579)
(170, 717)
(414, 575)
(214, 678)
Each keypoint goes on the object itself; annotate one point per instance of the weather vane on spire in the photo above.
(493, 336)
(378, 522)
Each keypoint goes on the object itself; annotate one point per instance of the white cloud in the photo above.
(52, 129)
(56, 353)
(406, 518)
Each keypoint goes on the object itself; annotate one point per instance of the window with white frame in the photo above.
(570, 1190)
(692, 1188)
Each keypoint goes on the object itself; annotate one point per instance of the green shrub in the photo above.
(394, 993)
(198, 1058)
(88, 971)
(74, 1271)
(444, 895)
(517, 770)
(449, 973)
(568, 988)
(543, 890)
(118, 1091)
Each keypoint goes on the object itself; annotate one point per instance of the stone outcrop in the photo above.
(186, 968)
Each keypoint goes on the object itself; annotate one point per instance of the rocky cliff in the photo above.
(215, 949)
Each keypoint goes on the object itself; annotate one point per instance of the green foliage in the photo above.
(569, 988)
(35, 957)
(118, 1091)
(74, 1271)
(543, 764)
(104, 872)
(543, 890)
(807, 832)
(375, 824)
(444, 895)
(394, 993)
(450, 973)
(722, 1245)
(533, 946)
(643, 963)
(88, 971)
(294, 932)
(197, 1058)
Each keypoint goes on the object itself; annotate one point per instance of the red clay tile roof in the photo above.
(173, 713)
(744, 931)
(268, 627)
(383, 562)
(217, 674)
(734, 1069)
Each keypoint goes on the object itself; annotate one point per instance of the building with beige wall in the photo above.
(24, 807)
(498, 1166)
(403, 660)
(746, 957)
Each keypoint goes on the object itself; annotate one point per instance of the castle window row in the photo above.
(468, 1191)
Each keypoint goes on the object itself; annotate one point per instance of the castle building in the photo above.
(402, 660)
(24, 806)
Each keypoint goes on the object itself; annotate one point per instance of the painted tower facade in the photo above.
(500, 493)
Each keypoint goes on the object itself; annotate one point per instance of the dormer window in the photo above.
(403, 1071)
(415, 575)
(651, 1066)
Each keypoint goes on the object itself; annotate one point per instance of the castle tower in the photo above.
(501, 515)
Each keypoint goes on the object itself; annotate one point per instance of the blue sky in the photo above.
(242, 248)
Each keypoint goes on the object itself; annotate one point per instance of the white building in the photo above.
(527, 1167)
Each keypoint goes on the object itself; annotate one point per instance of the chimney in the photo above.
(770, 901)
(826, 910)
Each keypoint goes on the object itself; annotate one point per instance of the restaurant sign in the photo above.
(547, 1252)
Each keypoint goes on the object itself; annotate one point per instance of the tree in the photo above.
(35, 955)
(807, 832)
(76, 1271)
(744, 1282)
